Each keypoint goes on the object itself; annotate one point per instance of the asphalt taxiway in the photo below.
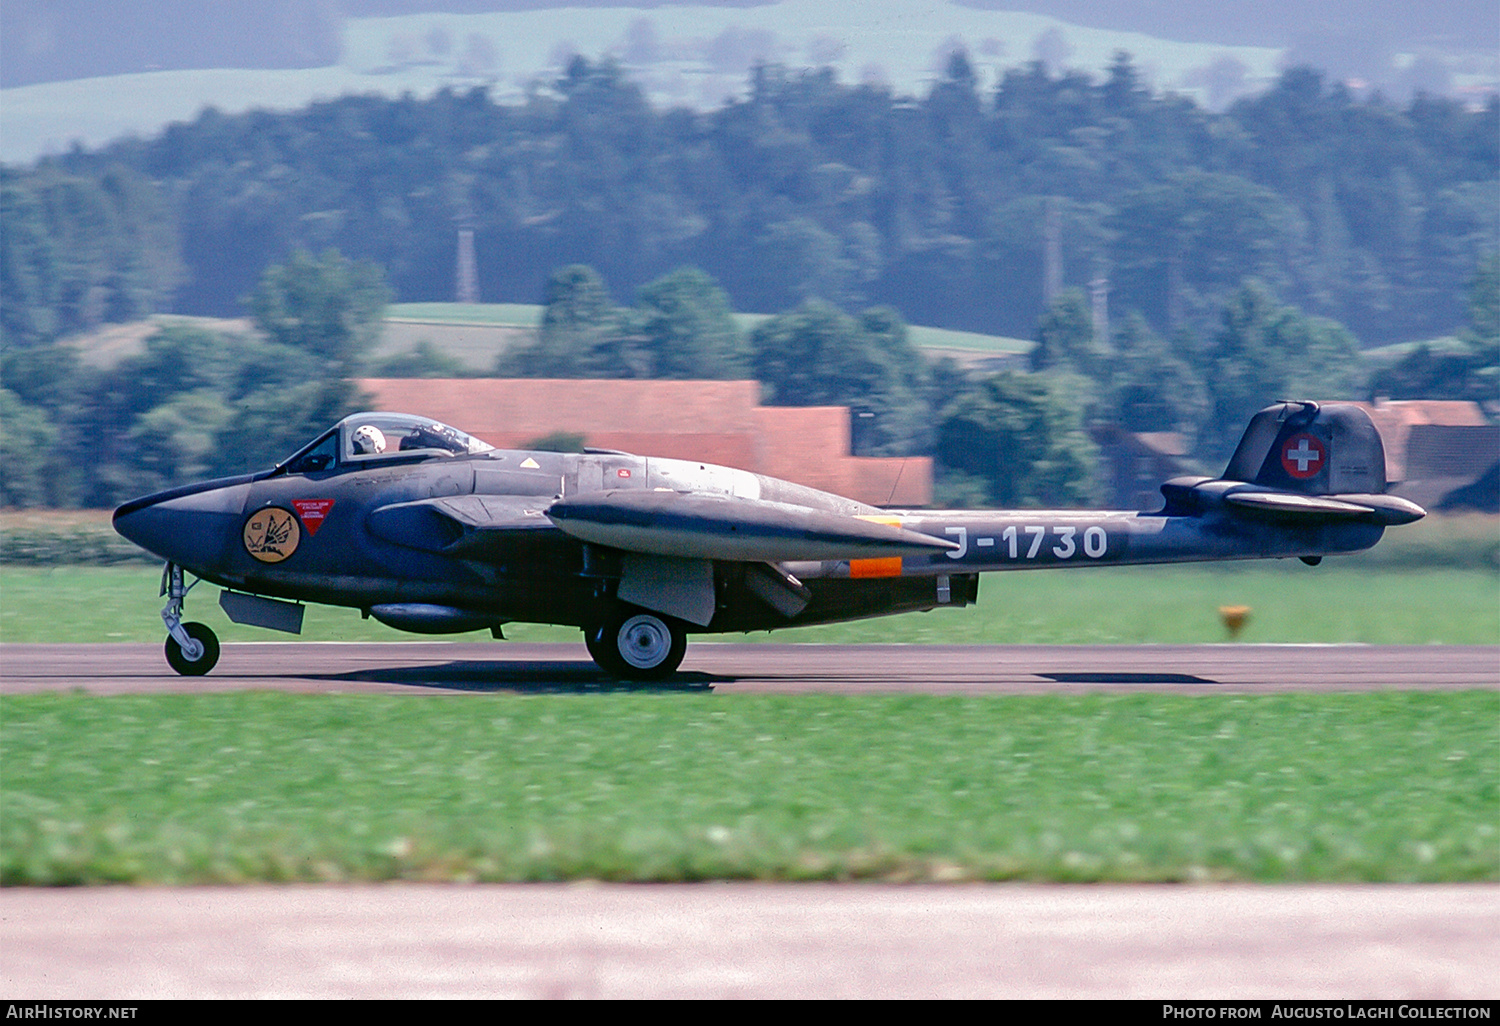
(470, 668)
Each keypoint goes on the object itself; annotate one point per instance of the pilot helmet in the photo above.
(368, 439)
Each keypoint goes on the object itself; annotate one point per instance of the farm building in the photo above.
(713, 421)
(1441, 454)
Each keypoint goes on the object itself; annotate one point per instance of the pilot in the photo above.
(432, 436)
(367, 440)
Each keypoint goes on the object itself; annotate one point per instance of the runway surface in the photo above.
(468, 668)
(754, 940)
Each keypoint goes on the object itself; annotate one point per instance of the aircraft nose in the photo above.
(190, 527)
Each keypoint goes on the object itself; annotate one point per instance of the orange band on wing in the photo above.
(890, 567)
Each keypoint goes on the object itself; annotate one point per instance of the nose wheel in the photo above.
(192, 648)
(637, 645)
(199, 655)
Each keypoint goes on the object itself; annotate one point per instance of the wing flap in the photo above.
(697, 526)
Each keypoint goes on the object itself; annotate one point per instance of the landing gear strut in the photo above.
(636, 644)
(192, 648)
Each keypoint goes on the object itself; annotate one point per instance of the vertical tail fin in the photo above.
(1300, 462)
(1302, 446)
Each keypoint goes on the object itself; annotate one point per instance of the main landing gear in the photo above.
(637, 644)
(192, 648)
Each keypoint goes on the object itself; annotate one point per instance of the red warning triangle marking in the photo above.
(312, 513)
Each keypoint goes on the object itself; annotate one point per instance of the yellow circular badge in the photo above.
(272, 534)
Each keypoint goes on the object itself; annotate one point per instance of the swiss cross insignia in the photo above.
(1303, 456)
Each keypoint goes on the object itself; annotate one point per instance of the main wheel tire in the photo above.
(637, 645)
(203, 635)
(600, 643)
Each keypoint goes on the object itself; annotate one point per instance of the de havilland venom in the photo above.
(430, 530)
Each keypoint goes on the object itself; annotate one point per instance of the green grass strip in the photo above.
(524, 315)
(230, 788)
(1289, 603)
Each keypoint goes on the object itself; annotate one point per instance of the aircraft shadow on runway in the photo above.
(1110, 677)
(539, 677)
(584, 677)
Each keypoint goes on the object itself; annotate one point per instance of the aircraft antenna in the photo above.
(896, 483)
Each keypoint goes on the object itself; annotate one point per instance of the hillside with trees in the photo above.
(941, 206)
(1244, 256)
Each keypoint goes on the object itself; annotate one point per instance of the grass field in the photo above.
(514, 315)
(273, 787)
(1289, 603)
(687, 786)
(475, 333)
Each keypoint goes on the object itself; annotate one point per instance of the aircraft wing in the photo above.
(669, 539)
(702, 526)
(656, 523)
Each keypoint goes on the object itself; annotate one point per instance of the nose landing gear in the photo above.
(192, 648)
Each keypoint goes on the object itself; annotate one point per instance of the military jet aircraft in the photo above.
(430, 530)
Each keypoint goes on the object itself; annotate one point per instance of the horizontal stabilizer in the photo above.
(1383, 509)
(1288, 502)
(694, 526)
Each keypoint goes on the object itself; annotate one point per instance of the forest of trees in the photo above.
(1359, 210)
(195, 403)
(1247, 256)
(199, 403)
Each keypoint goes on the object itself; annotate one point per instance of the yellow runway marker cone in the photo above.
(1235, 618)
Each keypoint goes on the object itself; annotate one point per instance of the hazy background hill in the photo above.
(1283, 23)
(1390, 44)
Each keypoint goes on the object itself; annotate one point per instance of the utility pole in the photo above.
(468, 273)
(1052, 267)
(460, 194)
(1099, 294)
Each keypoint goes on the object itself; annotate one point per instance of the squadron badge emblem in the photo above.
(272, 534)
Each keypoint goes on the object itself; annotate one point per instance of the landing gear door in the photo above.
(683, 588)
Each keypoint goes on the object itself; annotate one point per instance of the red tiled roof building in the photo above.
(712, 421)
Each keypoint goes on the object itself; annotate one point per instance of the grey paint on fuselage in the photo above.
(1000, 540)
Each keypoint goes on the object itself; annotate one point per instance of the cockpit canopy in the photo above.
(374, 437)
